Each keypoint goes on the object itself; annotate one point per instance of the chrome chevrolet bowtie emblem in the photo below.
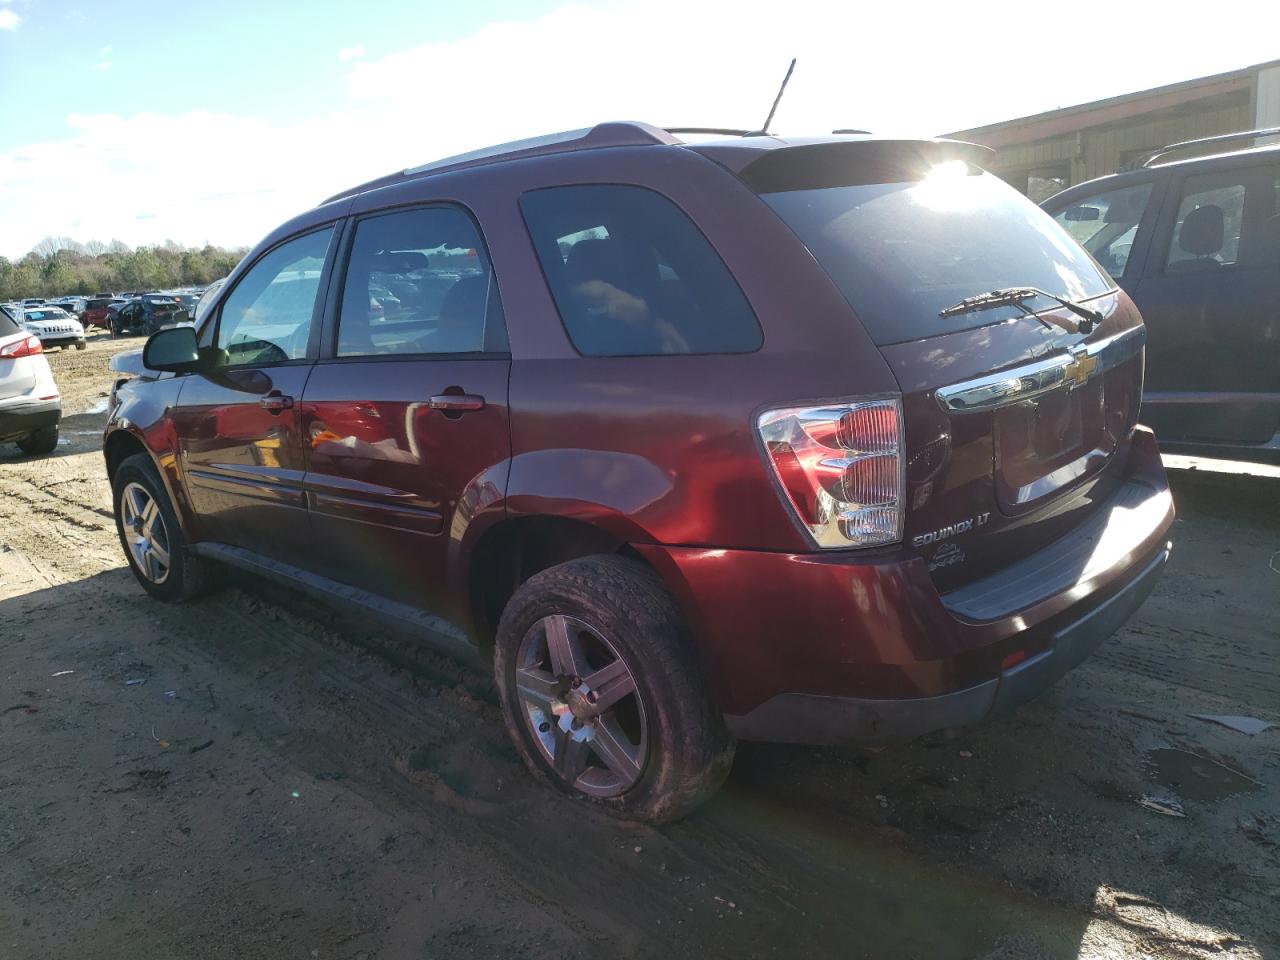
(1081, 367)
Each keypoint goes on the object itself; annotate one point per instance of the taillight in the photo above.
(26, 347)
(840, 466)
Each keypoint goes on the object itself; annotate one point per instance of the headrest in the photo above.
(1202, 231)
(465, 300)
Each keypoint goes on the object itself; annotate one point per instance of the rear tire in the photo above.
(639, 734)
(80, 344)
(151, 536)
(40, 443)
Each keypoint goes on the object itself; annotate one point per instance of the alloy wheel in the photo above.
(581, 704)
(144, 532)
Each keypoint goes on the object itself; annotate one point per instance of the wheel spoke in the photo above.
(610, 684)
(135, 501)
(139, 554)
(612, 747)
(563, 645)
(571, 754)
(149, 514)
(159, 553)
(537, 689)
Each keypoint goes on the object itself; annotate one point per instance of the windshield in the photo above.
(48, 315)
(903, 252)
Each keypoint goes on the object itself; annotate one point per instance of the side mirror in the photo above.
(174, 350)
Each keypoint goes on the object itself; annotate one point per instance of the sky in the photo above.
(213, 122)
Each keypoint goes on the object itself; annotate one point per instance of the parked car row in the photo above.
(97, 311)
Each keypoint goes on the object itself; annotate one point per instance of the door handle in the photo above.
(276, 402)
(456, 402)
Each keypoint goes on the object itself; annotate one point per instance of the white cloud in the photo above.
(229, 179)
(104, 65)
(9, 20)
(350, 53)
(104, 52)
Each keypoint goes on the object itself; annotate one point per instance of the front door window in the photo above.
(268, 317)
(1106, 224)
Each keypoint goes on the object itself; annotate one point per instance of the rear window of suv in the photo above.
(903, 252)
(632, 276)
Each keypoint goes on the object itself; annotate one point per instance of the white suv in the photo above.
(30, 406)
(54, 326)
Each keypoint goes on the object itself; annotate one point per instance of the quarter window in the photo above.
(1106, 223)
(267, 318)
(419, 282)
(632, 276)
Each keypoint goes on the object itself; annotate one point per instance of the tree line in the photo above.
(59, 266)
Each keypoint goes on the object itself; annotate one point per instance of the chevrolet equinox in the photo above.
(802, 440)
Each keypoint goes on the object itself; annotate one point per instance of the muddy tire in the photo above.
(151, 536)
(41, 442)
(602, 692)
(80, 344)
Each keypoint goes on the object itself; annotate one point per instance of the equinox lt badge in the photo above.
(946, 533)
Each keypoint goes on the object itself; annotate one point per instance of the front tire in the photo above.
(602, 693)
(80, 344)
(151, 536)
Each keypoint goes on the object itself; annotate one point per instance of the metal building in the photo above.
(1048, 152)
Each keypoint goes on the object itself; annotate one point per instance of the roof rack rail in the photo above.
(612, 134)
(625, 133)
(1149, 159)
(720, 131)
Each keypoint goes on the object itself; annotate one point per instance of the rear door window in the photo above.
(1206, 233)
(632, 276)
(419, 282)
(1106, 223)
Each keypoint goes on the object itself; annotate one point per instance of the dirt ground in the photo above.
(247, 777)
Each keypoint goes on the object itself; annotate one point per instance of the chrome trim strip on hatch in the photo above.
(1031, 380)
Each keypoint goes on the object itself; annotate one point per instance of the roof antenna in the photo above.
(764, 131)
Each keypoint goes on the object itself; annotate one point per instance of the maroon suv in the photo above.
(795, 440)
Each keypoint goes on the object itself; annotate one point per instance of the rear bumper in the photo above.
(18, 420)
(805, 718)
(818, 648)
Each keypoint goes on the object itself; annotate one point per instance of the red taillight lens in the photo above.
(29, 346)
(841, 468)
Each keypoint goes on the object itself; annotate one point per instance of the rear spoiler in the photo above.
(814, 166)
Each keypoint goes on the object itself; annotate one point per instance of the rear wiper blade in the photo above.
(1015, 296)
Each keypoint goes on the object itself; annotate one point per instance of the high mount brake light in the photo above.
(840, 465)
(27, 347)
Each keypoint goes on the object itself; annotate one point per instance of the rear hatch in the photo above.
(1013, 413)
